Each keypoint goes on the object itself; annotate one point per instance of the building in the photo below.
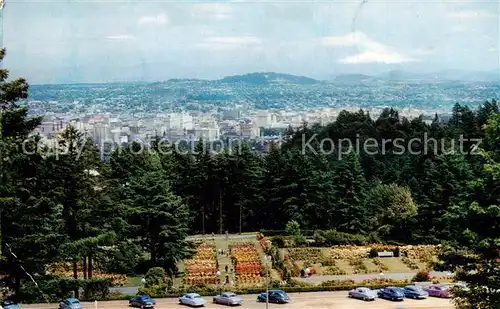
(263, 119)
(249, 130)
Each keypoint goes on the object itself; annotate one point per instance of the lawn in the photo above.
(133, 281)
(395, 265)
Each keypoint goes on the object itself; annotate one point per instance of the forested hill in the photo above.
(268, 77)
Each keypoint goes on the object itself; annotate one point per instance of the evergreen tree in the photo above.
(158, 218)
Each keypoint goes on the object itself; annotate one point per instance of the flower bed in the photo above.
(381, 267)
(65, 270)
(246, 260)
(334, 270)
(349, 252)
(201, 268)
(410, 263)
(311, 255)
(358, 266)
(264, 242)
(423, 253)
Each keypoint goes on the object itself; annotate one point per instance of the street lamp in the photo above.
(217, 274)
(268, 261)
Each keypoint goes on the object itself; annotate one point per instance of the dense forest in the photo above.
(63, 203)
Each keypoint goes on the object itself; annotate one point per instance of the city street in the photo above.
(320, 300)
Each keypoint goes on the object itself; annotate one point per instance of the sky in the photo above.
(66, 41)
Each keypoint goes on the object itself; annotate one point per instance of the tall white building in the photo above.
(263, 118)
(101, 133)
(179, 121)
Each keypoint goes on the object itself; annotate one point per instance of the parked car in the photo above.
(229, 299)
(70, 303)
(9, 304)
(413, 291)
(391, 293)
(275, 296)
(192, 299)
(363, 293)
(438, 290)
(142, 301)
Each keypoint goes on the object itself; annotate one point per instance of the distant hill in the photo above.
(265, 78)
(181, 80)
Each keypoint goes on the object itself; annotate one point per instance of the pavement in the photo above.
(319, 300)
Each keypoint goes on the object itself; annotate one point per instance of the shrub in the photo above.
(328, 262)
(318, 237)
(332, 237)
(382, 281)
(299, 240)
(421, 276)
(293, 228)
(330, 283)
(334, 270)
(155, 276)
(157, 290)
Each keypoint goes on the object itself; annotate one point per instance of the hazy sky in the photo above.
(56, 41)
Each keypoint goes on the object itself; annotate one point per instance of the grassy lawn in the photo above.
(372, 268)
(344, 265)
(133, 281)
(396, 265)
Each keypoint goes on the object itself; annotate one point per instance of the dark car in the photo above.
(391, 293)
(9, 304)
(275, 296)
(142, 301)
(70, 303)
(413, 291)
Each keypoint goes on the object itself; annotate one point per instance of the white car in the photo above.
(363, 293)
(192, 300)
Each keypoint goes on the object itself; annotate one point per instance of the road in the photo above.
(319, 300)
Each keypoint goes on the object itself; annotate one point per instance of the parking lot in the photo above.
(320, 300)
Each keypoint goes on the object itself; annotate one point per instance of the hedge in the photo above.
(270, 233)
(56, 289)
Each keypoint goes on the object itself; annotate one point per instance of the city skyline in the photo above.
(92, 42)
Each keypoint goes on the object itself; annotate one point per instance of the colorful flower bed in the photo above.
(349, 252)
(201, 268)
(65, 270)
(423, 253)
(311, 255)
(247, 263)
